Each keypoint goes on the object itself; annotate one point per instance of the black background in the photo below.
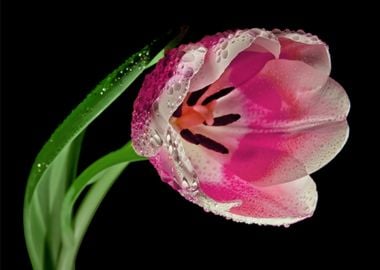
(53, 53)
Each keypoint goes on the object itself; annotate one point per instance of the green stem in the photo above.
(102, 174)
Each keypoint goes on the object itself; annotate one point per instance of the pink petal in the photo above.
(230, 196)
(282, 204)
(162, 92)
(164, 166)
(271, 158)
(262, 159)
(301, 125)
(282, 85)
(223, 48)
(306, 48)
(246, 65)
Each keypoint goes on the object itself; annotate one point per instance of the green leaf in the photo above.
(55, 165)
(63, 170)
(101, 175)
(45, 208)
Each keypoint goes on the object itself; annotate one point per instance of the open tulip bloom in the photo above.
(237, 122)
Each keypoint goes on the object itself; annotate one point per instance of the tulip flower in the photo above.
(238, 121)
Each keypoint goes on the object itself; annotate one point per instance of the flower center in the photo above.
(190, 116)
(198, 109)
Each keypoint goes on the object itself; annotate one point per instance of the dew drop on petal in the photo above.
(184, 183)
(225, 54)
(177, 86)
(156, 140)
(188, 57)
(224, 45)
(189, 72)
(155, 108)
(314, 38)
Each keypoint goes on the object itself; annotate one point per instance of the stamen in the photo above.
(211, 144)
(225, 119)
(189, 136)
(204, 141)
(178, 111)
(217, 95)
(195, 96)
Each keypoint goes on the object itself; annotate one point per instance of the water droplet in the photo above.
(39, 165)
(103, 91)
(218, 59)
(225, 54)
(184, 183)
(177, 86)
(156, 140)
(188, 57)
(314, 38)
(224, 45)
(189, 72)
(256, 32)
(201, 50)
(176, 155)
(155, 108)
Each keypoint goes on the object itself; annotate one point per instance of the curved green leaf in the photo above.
(55, 165)
(101, 175)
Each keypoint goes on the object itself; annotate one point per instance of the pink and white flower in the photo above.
(238, 121)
